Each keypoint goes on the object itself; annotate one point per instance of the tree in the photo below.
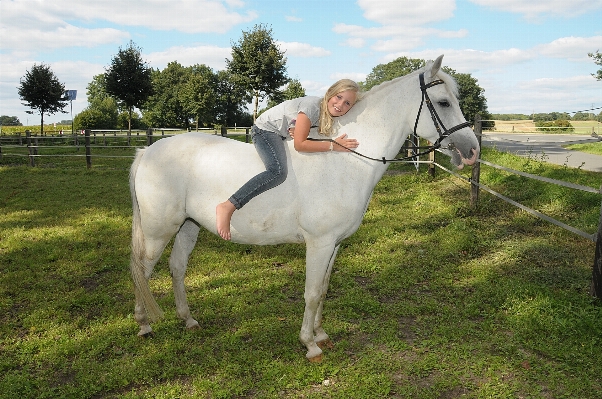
(472, 100)
(165, 108)
(293, 90)
(399, 67)
(6, 120)
(128, 79)
(97, 88)
(257, 64)
(198, 94)
(102, 110)
(41, 90)
(597, 57)
(230, 101)
(472, 97)
(100, 114)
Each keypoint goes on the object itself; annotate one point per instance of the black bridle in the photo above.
(439, 126)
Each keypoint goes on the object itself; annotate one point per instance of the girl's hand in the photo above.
(291, 132)
(345, 143)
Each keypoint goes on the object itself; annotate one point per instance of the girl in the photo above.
(294, 118)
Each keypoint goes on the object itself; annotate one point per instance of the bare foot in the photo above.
(223, 214)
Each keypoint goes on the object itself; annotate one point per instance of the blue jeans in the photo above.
(270, 147)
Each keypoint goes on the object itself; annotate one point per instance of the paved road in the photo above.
(546, 147)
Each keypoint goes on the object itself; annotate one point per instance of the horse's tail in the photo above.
(137, 267)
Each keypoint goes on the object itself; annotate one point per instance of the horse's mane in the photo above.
(446, 78)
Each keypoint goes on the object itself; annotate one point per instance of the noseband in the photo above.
(441, 129)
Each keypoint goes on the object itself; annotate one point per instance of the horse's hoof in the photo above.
(149, 334)
(316, 359)
(326, 344)
(145, 332)
(193, 325)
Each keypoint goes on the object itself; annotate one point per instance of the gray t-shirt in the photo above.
(283, 116)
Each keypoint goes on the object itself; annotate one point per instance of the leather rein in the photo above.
(439, 126)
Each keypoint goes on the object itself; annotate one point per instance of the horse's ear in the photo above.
(436, 66)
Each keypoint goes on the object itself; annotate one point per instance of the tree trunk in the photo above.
(130, 121)
(41, 122)
(256, 105)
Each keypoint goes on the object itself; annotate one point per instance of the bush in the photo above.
(555, 126)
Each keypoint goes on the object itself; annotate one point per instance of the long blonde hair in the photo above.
(326, 122)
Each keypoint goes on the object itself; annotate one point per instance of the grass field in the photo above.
(429, 299)
(528, 126)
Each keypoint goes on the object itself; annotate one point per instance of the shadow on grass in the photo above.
(429, 299)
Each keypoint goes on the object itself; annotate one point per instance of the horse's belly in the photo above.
(270, 218)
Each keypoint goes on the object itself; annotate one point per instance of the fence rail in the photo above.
(596, 285)
(91, 139)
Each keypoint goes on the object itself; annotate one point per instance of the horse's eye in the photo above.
(444, 103)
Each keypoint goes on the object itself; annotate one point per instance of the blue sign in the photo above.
(70, 94)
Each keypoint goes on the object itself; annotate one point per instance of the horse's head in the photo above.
(440, 119)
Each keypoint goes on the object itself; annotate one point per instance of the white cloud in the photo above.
(469, 61)
(304, 50)
(389, 12)
(391, 38)
(35, 39)
(190, 16)
(212, 56)
(536, 9)
(291, 18)
(572, 48)
(358, 77)
(568, 94)
(40, 25)
(355, 42)
(562, 85)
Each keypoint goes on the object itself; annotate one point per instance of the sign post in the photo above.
(71, 95)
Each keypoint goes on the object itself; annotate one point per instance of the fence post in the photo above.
(432, 168)
(29, 148)
(596, 287)
(246, 135)
(476, 169)
(224, 131)
(149, 136)
(88, 149)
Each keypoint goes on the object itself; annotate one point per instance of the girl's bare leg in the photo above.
(223, 214)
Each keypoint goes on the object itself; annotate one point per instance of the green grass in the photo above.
(429, 299)
(591, 148)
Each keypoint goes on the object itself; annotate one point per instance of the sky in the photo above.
(529, 56)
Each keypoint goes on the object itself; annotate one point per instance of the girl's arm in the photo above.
(302, 144)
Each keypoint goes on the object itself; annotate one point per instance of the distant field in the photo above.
(528, 126)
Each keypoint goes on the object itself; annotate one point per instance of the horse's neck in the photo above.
(383, 119)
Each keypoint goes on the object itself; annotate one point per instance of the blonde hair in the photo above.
(326, 122)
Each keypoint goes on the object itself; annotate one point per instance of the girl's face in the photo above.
(340, 103)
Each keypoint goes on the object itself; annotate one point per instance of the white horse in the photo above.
(177, 182)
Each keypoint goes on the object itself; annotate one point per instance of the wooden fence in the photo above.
(91, 139)
(475, 184)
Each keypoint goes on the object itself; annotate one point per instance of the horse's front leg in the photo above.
(320, 336)
(178, 262)
(318, 261)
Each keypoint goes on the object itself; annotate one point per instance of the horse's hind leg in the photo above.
(145, 303)
(178, 261)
